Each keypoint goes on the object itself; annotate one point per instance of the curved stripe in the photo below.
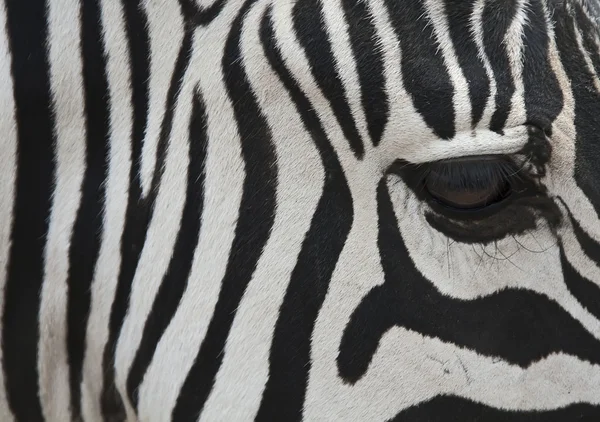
(104, 282)
(8, 169)
(331, 222)
(253, 227)
(33, 200)
(438, 409)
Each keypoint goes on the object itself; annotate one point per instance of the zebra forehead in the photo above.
(425, 69)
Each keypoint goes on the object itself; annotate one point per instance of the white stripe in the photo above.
(8, 170)
(408, 367)
(165, 29)
(477, 32)
(588, 60)
(224, 167)
(245, 368)
(116, 195)
(205, 4)
(560, 177)
(575, 254)
(462, 102)
(513, 42)
(295, 59)
(66, 83)
(160, 241)
(406, 135)
(406, 127)
(337, 29)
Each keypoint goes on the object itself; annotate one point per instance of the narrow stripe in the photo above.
(543, 97)
(174, 282)
(439, 17)
(407, 131)
(66, 82)
(469, 57)
(588, 49)
(369, 63)
(587, 108)
(425, 77)
(309, 26)
(564, 132)
(337, 29)
(477, 30)
(252, 230)
(285, 391)
(168, 187)
(514, 45)
(35, 174)
(224, 178)
(8, 166)
(585, 290)
(165, 31)
(589, 246)
(582, 253)
(85, 243)
(104, 284)
(589, 41)
(300, 182)
(201, 16)
(139, 208)
(496, 20)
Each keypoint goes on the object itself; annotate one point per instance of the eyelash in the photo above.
(472, 185)
(457, 175)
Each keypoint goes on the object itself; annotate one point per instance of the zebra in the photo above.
(281, 210)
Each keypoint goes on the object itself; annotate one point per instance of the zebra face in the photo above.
(368, 210)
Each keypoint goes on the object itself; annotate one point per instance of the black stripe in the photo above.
(138, 211)
(369, 63)
(458, 409)
(496, 20)
(424, 73)
(590, 37)
(289, 360)
(255, 220)
(194, 15)
(85, 243)
(587, 104)
(584, 290)
(589, 246)
(28, 37)
(459, 23)
(176, 279)
(543, 96)
(517, 326)
(309, 27)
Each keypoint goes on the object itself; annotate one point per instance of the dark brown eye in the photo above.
(468, 198)
(469, 183)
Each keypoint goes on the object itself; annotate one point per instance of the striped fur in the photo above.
(207, 211)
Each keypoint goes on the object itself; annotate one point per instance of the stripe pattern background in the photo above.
(198, 221)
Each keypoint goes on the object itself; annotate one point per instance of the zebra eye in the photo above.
(469, 183)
